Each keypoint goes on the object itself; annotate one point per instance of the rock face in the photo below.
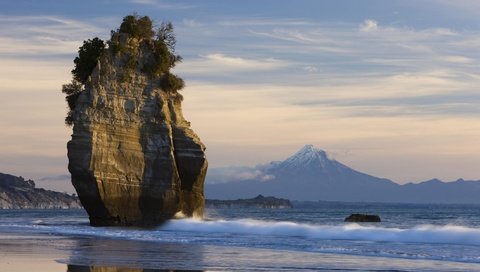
(133, 158)
(356, 217)
(18, 193)
(260, 201)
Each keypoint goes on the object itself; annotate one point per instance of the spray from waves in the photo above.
(448, 234)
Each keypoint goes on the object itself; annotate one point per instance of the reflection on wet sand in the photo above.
(127, 255)
(81, 268)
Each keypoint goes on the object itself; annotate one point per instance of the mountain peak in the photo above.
(309, 148)
(306, 157)
(311, 151)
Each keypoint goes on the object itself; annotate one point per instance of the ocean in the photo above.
(311, 237)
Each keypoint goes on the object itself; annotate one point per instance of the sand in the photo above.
(49, 253)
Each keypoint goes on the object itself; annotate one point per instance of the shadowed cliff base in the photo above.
(133, 158)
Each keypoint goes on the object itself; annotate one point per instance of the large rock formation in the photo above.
(18, 193)
(133, 158)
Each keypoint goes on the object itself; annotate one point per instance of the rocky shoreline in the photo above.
(258, 202)
(18, 193)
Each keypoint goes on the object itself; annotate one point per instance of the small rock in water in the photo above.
(356, 217)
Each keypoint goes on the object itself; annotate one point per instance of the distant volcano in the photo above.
(310, 164)
(310, 174)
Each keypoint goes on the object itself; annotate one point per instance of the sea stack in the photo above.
(133, 158)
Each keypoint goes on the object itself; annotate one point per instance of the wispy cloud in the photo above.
(444, 32)
(313, 42)
(243, 63)
(369, 25)
(191, 23)
(229, 174)
(311, 69)
(220, 63)
(457, 59)
(255, 21)
(160, 4)
(40, 35)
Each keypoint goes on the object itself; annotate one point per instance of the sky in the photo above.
(390, 88)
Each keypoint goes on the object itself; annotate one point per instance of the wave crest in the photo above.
(448, 234)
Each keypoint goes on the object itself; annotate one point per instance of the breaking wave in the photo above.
(448, 234)
(193, 228)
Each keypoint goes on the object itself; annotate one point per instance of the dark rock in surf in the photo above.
(356, 217)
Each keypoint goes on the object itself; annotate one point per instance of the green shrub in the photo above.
(163, 45)
(88, 55)
(171, 82)
(129, 66)
(114, 44)
(72, 88)
(72, 91)
(137, 27)
(160, 62)
(166, 36)
(130, 63)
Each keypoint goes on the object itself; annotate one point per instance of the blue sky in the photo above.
(387, 87)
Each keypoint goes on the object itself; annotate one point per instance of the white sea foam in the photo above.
(448, 234)
(426, 234)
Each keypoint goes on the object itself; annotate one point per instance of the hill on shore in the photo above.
(18, 193)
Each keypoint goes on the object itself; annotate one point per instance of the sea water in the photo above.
(310, 236)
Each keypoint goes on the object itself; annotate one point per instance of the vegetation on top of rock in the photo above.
(160, 42)
(165, 34)
(135, 34)
(171, 82)
(88, 55)
(137, 27)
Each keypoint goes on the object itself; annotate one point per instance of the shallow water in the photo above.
(311, 237)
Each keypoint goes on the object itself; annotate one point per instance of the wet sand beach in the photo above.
(77, 254)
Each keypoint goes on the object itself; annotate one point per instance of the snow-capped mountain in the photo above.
(310, 174)
(308, 159)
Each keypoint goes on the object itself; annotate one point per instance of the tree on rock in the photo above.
(88, 55)
(161, 43)
(72, 91)
(138, 27)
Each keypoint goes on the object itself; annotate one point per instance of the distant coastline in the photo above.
(18, 193)
(260, 201)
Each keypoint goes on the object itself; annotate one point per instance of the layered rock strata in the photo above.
(133, 158)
